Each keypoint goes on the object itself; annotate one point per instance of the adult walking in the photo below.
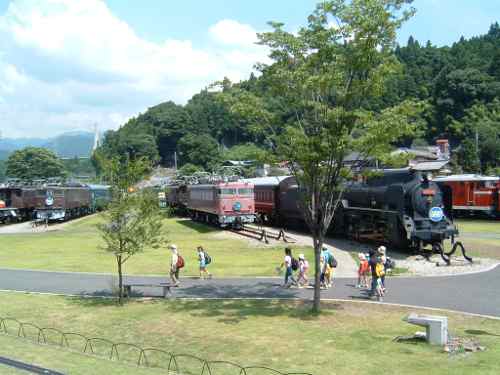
(326, 270)
(175, 264)
(372, 262)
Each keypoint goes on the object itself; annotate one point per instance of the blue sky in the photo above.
(67, 64)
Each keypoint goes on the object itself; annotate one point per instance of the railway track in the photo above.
(263, 233)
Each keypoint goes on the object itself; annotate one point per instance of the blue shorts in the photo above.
(202, 264)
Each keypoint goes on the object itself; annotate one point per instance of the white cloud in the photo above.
(231, 32)
(67, 64)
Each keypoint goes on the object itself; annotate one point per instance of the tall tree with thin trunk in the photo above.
(133, 220)
(326, 73)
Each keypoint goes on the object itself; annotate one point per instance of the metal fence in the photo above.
(174, 363)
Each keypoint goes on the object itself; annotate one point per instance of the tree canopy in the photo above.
(450, 80)
(34, 163)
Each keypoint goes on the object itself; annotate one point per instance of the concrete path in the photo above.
(347, 267)
(472, 293)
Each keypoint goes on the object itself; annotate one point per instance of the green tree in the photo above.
(34, 163)
(2, 170)
(200, 150)
(133, 220)
(247, 151)
(480, 123)
(189, 169)
(327, 73)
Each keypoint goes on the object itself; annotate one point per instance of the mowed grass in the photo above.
(475, 245)
(347, 338)
(77, 247)
(66, 361)
(478, 225)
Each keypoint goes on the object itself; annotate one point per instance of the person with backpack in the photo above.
(362, 271)
(372, 262)
(289, 263)
(323, 258)
(383, 258)
(380, 272)
(303, 280)
(176, 263)
(204, 260)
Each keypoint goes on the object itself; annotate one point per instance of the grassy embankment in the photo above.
(348, 338)
(76, 247)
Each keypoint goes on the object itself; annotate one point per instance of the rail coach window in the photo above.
(226, 191)
(245, 191)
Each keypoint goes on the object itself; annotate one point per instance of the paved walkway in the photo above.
(473, 293)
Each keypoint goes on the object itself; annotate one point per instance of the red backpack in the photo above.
(180, 261)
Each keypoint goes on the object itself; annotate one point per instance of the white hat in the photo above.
(382, 249)
(301, 256)
(172, 247)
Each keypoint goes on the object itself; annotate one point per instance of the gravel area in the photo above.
(419, 266)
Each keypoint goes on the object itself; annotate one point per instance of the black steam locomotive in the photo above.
(401, 207)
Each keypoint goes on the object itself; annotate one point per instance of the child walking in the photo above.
(204, 260)
(363, 271)
(380, 272)
(303, 280)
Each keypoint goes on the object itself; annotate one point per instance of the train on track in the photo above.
(401, 207)
(221, 203)
(52, 202)
(473, 195)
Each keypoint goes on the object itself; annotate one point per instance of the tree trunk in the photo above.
(317, 242)
(120, 279)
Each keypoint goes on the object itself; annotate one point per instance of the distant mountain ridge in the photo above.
(66, 145)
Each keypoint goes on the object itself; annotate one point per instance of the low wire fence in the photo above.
(174, 363)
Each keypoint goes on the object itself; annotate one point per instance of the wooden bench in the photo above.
(127, 288)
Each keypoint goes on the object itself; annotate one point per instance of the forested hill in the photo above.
(460, 85)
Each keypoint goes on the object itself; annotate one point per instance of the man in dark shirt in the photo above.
(372, 262)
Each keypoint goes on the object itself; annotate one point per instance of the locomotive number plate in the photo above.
(436, 214)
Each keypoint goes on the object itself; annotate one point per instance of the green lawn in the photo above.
(76, 248)
(66, 361)
(478, 225)
(471, 237)
(348, 338)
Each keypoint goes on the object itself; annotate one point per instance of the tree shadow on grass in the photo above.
(198, 227)
(102, 298)
(235, 311)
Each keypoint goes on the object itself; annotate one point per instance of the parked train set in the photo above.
(400, 207)
(55, 202)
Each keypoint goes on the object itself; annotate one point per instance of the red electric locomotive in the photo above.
(473, 194)
(220, 203)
